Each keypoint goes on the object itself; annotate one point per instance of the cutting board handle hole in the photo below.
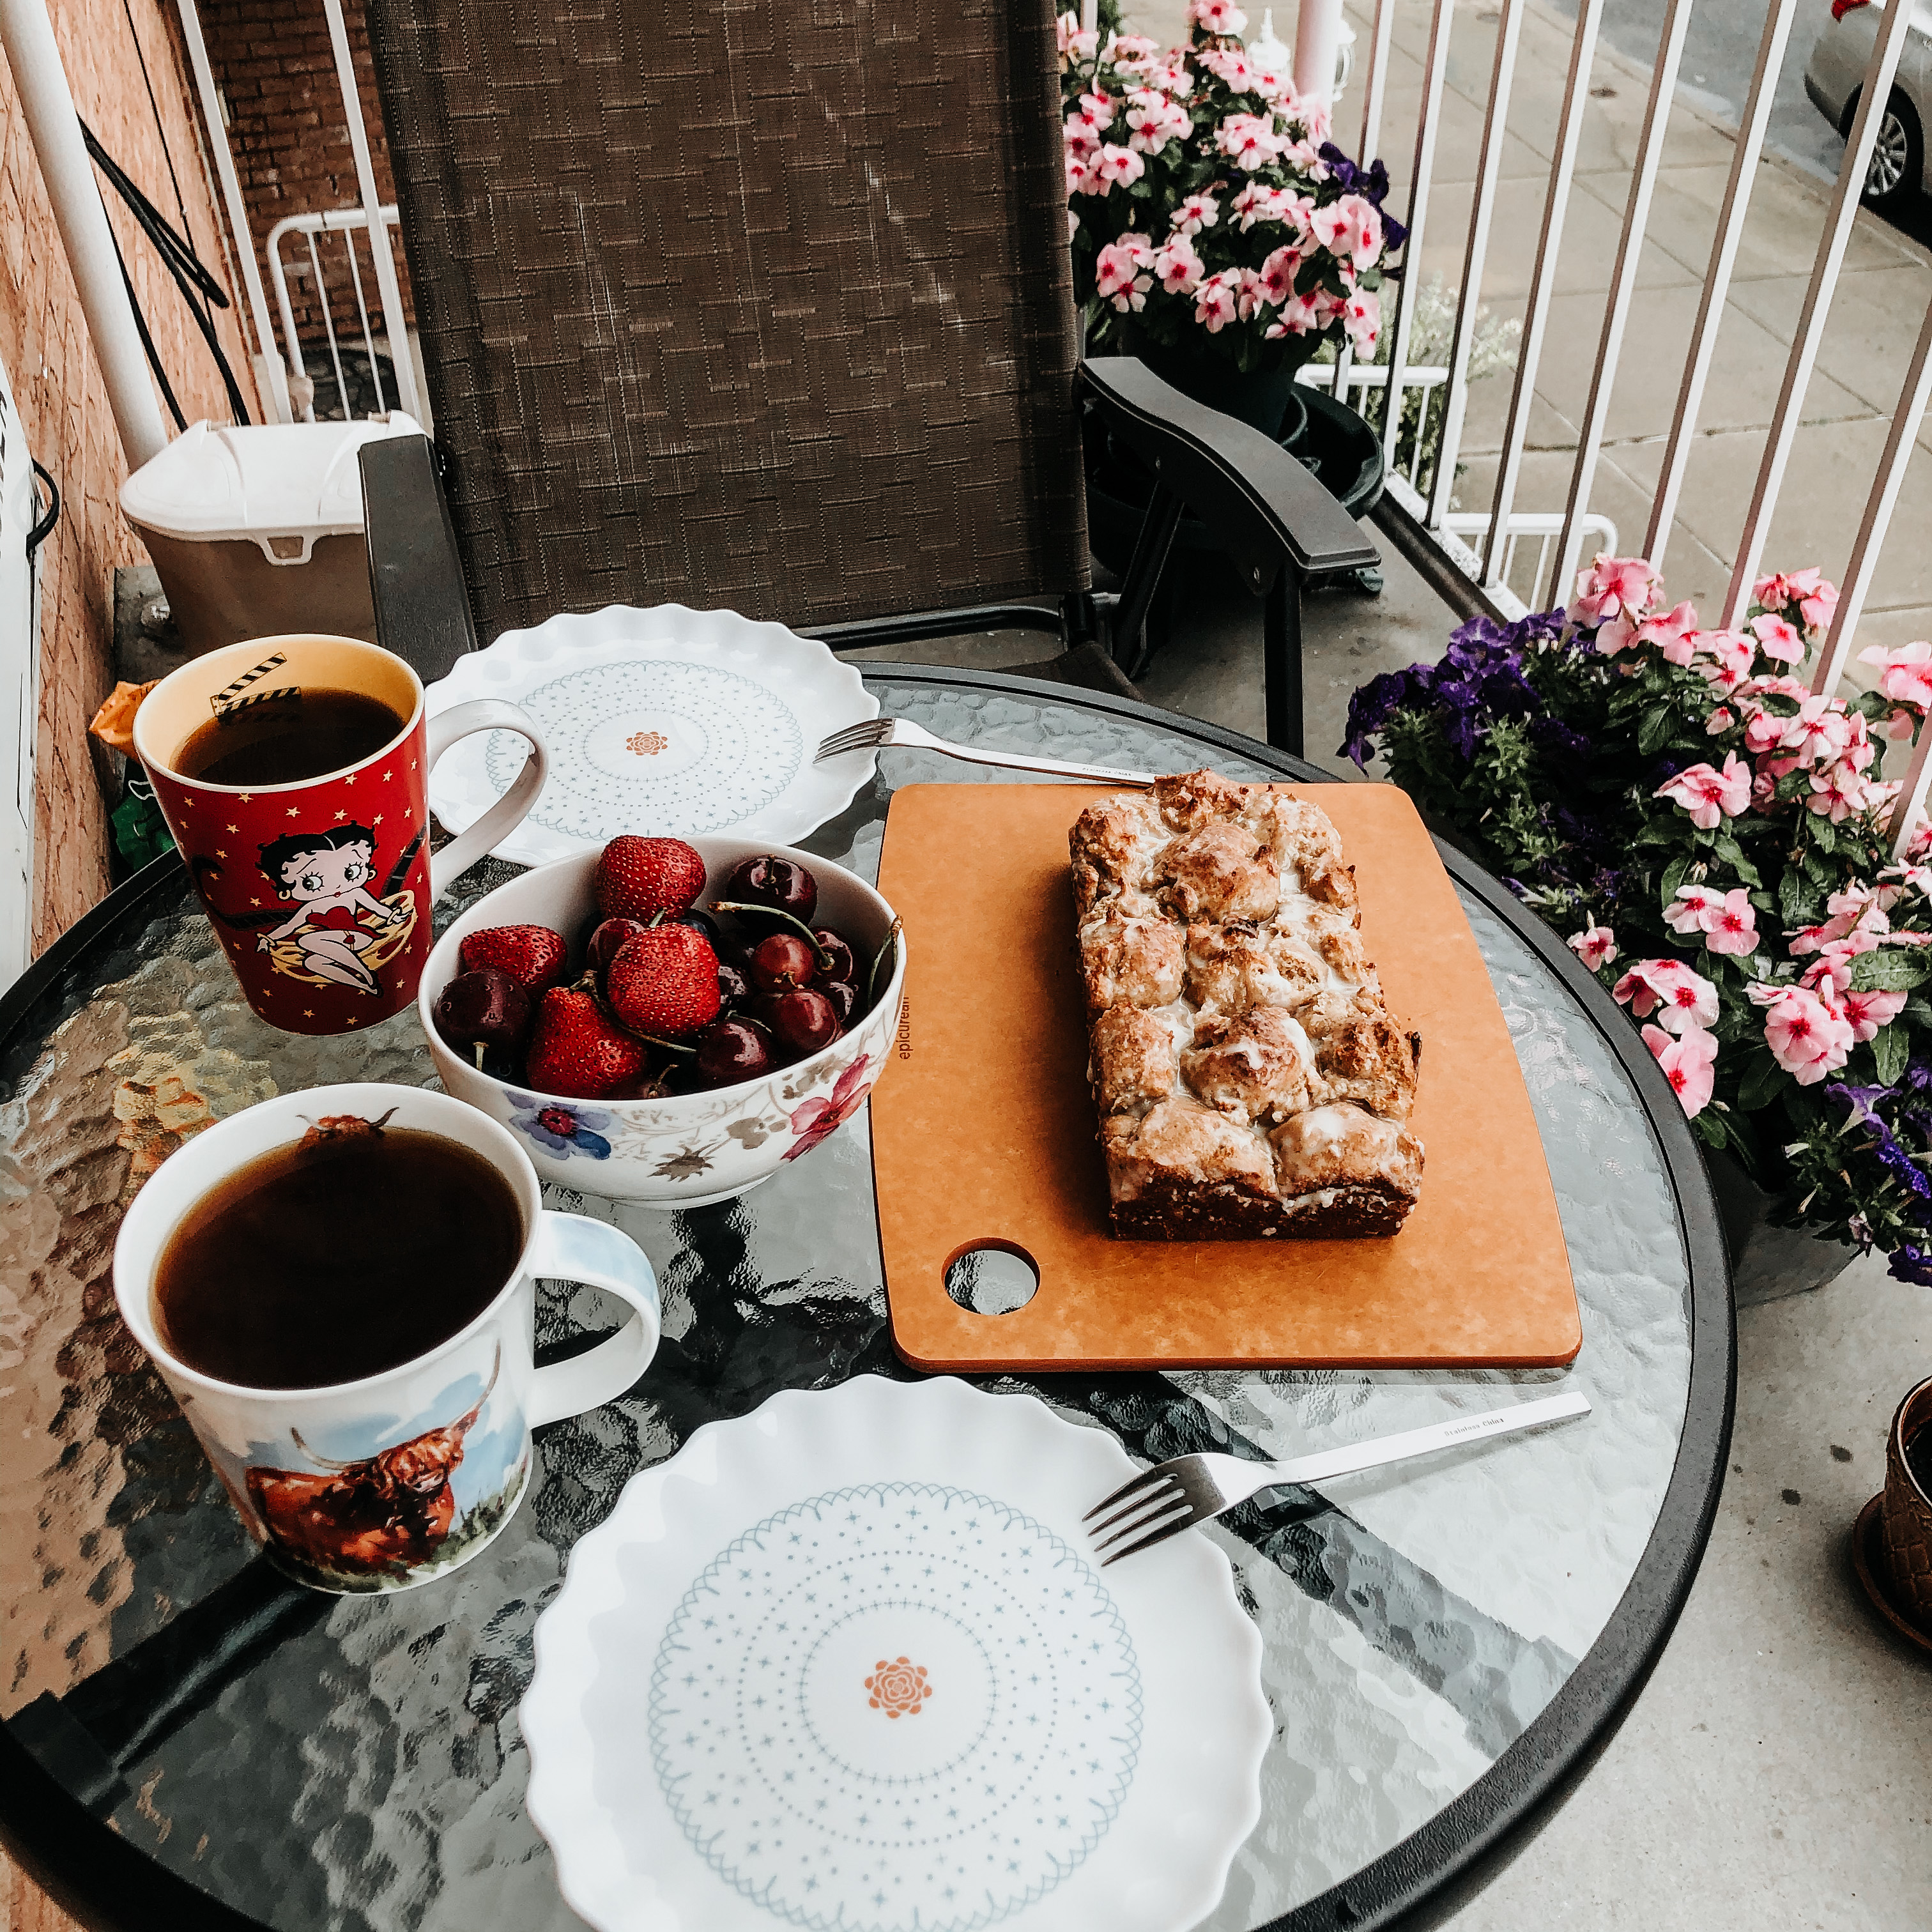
(992, 1277)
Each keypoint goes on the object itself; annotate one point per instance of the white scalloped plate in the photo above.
(845, 1663)
(667, 722)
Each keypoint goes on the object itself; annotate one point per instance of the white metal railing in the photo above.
(1488, 546)
(347, 223)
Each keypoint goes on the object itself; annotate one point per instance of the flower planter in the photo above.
(1767, 1262)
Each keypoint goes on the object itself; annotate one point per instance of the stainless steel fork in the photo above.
(1175, 1495)
(876, 733)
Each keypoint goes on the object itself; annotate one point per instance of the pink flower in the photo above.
(1815, 597)
(1362, 316)
(1904, 676)
(1806, 1038)
(1350, 229)
(1258, 202)
(1729, 657)
(1685, 912)
(1082, 143)
(1720, 721)
(1612, 585)
(1197, 212)
(1688, 1064)
(1276, 276)
(1119, 273)
(1686, 998)
(1074, 45)
(1177, 266)
(1777, 639)
(1596, 946)
(1837, 793)
(1217, 300)
(818, 1119)
(1119, 167)
(1731, 926)
(1217, 17)
(1708, 795)
(1300, 314)
(1156, 120)
(1868, 1012)
(1096, 111)
(1249, 140)
(1819, 732)
(1131, 49)
(1229, 65)
(1674, 633)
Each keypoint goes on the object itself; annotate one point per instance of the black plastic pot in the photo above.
(1767, 1262)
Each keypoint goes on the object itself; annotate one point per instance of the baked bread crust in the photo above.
(1250, 1081)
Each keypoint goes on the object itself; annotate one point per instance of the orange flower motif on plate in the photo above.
(899, 1688)
(647, 744)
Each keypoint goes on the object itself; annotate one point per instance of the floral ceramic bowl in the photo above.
(685, 1151)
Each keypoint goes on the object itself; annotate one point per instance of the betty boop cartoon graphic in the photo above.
(337, 920)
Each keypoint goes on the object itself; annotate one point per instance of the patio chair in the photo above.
(769, 306)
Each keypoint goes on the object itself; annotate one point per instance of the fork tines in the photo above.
(860, 737)
(1157, 1504)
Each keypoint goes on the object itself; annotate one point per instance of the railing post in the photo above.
(395, 325)
(1318, 31)
(1896, 23)
(1489, 172)
(1542, 286)
(1623, 285)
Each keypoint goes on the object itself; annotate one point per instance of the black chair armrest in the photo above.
(416, 571)
(1243, 484)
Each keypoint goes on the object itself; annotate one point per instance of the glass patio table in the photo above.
(186, 1738)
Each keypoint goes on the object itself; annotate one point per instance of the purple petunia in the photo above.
(1371, 183)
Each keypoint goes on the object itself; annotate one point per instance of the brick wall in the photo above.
(273, 63)
(63, 403)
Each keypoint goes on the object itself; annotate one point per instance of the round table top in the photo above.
(180, 1731)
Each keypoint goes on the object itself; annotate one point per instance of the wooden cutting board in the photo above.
(984, 1132)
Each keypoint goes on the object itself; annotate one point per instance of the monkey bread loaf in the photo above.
(1250, 1080)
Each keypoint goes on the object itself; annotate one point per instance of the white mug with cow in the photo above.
(387, 1482)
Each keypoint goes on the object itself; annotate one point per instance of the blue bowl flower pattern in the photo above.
(561, 1128)
(896, 1705)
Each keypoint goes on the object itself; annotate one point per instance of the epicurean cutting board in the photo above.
(985, 1133)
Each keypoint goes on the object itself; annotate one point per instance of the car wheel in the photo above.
(1897, 158)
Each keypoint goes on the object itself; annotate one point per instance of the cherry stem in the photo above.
(811, 938)
(476, 1047)
(879, 959)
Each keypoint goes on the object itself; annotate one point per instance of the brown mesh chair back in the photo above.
(764, 303)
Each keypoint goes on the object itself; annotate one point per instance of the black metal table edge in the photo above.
(101, 1879)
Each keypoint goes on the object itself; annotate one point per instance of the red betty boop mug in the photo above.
(320, 889)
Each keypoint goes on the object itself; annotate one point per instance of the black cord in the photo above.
(154, 107)
(191, 277)
(44, 529)
(147, 339)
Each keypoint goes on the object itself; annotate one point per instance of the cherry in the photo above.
(843, 996)
(802, 1017)
(607, 941)
(837, 961)
(702, 921)
(734, 982)
(772, 881)
(730, 1050)
(483, 1007)
(782, 961)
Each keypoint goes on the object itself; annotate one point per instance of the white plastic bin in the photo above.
(256, 532)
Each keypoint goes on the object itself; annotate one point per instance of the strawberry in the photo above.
(664, 982)
(577, 1051)
(532, 955)
(638, 876)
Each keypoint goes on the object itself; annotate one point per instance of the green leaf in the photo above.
(1890, 970)
(1673, 877)
(1824, 833)
(1892, 1048)
(1917, 1012)
(1659, 727)
(1798, 903)
(1728, 849)
(1761, 1080)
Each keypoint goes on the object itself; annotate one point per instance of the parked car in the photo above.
(1834, 75)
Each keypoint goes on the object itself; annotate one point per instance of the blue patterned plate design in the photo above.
(846, 1664)
(665, 722)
